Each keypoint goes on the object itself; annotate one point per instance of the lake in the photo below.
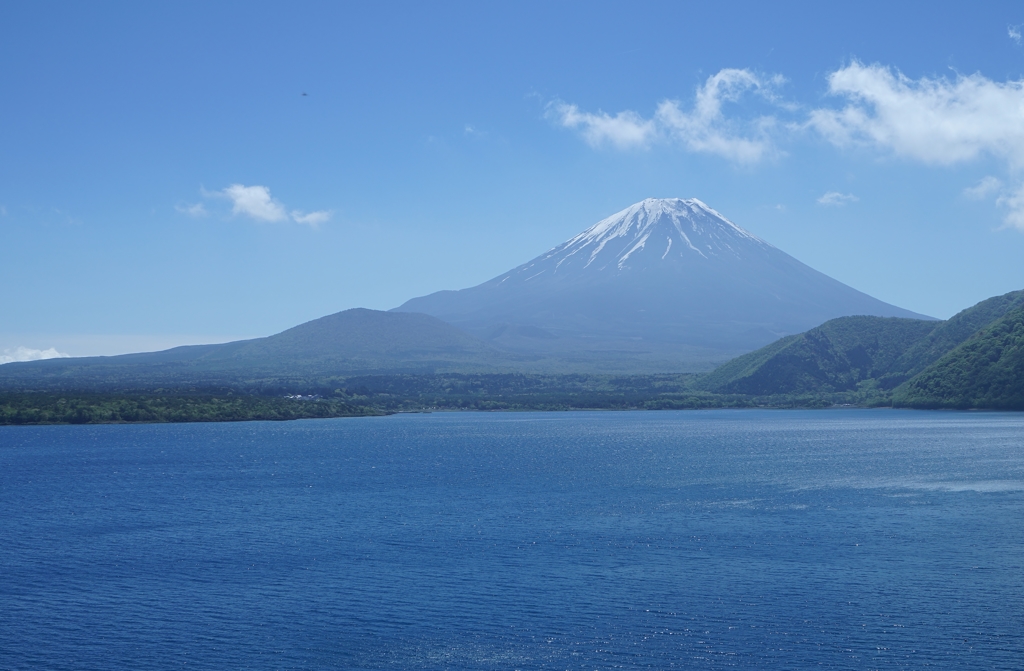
(842, 539)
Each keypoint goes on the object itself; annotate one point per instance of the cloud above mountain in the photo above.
(625, 130)
(255, 202)
(934, 121)
(313, 219)
(985, 188)
(703, 128)
(837, 199)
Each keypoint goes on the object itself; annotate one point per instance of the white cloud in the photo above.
(197, 210)
(313, 219)
(1014, 202)
(255, 202)
(624, 130)
(935, 121)
(1014, 33)
(703, 129)
(836, 199)
(940, 121)
(983, 189)
(29, 354)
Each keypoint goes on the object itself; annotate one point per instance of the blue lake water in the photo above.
(847, 539)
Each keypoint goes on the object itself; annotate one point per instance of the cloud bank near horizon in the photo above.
(19, 354)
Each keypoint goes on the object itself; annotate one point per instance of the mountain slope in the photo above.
(949, 334)
(972, 360)
(985, 371)
(352, 341)
(669, 280)
(833, 357)
(359, 336)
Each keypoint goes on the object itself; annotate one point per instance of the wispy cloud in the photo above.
(704, 128)
(1014, 202)
(29, 354)
(255, 202)
(313, 219)
(935, 121)
(196, 210)
(836, 199)
(983, 189)
(625, 130)
(1014, 33)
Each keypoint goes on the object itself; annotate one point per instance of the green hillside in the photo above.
(836, 356)
(986, 371)
(948, 335)
(972, 360)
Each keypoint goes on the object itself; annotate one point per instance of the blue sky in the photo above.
(163, 179)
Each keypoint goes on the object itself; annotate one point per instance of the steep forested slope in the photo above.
(836, 356)
(972, 360)
(949, 334)
(986, 371)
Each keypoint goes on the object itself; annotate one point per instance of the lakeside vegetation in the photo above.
(388, 394)
(141, 407)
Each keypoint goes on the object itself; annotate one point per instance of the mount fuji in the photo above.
(669, 282)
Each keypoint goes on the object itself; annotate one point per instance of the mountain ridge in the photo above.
(352, 341)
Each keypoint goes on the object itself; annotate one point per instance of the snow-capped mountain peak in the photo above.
(652, 232)
(659, 278)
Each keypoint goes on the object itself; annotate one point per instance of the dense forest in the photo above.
(98, 408)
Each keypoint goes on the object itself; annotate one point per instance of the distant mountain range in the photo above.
(346, 343)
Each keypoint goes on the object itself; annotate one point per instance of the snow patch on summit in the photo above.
(639, 245)
(619, 241)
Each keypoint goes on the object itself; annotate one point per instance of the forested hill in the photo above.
(973, 360)
(985, 371)
(836, 356)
